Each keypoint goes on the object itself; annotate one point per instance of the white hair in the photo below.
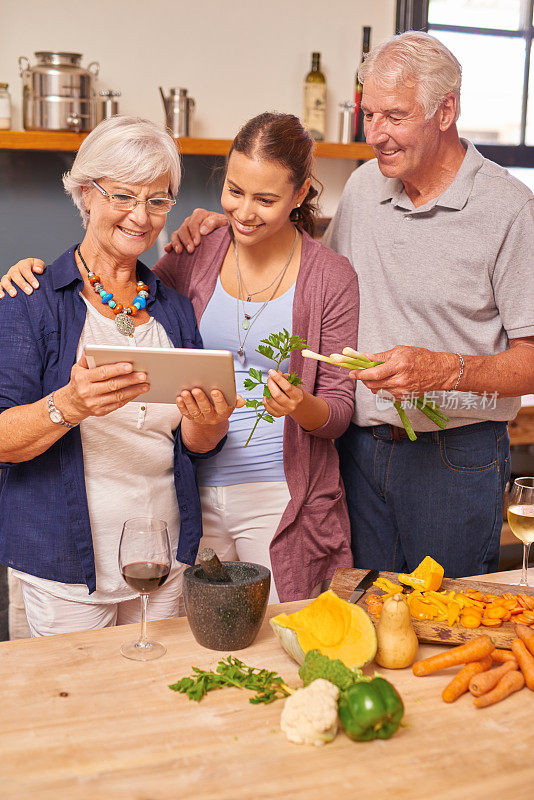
(126, 149)
(416, 59)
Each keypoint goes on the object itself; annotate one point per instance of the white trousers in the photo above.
(49, 615)
(240, 521)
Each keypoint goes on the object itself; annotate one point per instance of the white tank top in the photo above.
(129, 469)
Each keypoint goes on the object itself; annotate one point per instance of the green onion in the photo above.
(432, 415)
(405, 421)
(352, 359)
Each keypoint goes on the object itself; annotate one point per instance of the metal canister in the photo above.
(58, 93)
(5, 107)
(107, 105)
(178, 111)
(346, 122)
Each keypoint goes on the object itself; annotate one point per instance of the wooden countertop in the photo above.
(69, 141)
(77, 721)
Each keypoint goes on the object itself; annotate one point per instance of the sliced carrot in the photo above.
(509, 603)
(470, 621)
(495, 612)
(491, 623)
(528, 600)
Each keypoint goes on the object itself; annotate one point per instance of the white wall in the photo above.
(236, 58)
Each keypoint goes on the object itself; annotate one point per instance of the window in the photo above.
(493, 40)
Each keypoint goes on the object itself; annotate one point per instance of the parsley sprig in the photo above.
(268, 686)
(276, 347)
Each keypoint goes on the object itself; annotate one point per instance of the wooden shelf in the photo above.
(521, 429)
(51, 140)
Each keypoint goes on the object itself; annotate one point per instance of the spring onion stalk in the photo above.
(359, 363)
(423, 404)
(348, 351)
(437, 419)
(405, 421)
(352, 359)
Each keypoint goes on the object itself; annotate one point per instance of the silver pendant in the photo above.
(241, 356)
(125, 324)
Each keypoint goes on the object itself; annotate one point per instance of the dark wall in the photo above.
(38, 219)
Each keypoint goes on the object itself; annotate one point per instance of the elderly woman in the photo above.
(80, 451)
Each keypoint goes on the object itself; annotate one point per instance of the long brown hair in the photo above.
(281, 138)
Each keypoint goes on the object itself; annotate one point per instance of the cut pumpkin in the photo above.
(333, 626)
(427, 576)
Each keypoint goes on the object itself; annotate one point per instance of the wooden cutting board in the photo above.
(429, 631)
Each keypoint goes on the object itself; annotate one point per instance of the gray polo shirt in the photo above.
(454, 275)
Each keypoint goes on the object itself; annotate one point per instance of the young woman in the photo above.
(280, 500)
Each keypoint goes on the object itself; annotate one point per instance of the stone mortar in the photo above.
(227, 616)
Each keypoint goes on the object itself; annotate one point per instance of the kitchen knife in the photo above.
(363, 585)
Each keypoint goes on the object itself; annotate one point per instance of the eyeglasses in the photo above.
(126, 202)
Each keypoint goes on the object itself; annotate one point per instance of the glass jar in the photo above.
(5, 108)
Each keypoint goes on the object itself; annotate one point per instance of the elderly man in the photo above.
(442, 240)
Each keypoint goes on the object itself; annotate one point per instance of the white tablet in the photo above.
(171, 370)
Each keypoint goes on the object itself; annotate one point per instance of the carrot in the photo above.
(502, 655)
(491, 623)
(496, 612)
(474, 650)
(527, 636)
(526, 662)
(460, 683)
(470, 621)
(485, 681)
(511, 682)
(526, 600)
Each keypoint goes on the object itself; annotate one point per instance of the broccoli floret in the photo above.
(316, 665)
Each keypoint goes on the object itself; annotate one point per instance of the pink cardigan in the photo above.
(313, 537)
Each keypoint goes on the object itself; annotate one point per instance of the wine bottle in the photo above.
(315, 100)
(359, 135)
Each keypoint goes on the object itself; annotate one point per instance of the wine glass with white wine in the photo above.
(145, 563)
(521, 518)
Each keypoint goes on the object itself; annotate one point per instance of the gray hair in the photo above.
(416, 59)
(127, 149)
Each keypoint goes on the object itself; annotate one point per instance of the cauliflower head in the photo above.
(310, 714)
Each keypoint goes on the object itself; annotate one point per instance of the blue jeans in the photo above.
(440, 496)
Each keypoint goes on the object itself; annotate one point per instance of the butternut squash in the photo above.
(397, 641)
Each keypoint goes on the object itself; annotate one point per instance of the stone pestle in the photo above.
(212, 568)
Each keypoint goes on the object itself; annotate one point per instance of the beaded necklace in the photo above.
(123, 316)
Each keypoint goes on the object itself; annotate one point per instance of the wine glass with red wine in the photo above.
(145, 563)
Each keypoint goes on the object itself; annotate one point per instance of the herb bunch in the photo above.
(268, 686)
(276, 347)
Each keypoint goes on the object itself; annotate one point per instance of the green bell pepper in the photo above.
(370, 710)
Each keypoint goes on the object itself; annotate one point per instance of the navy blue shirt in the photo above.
(44, 518)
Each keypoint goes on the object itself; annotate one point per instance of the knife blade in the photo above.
(363, 585)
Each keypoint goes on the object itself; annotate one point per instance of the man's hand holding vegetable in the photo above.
(414, 371)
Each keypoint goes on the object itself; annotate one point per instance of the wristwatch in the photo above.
(56, 415)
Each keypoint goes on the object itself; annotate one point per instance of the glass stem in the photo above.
(143, 641)
(526, 549)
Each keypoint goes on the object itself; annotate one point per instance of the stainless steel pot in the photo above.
(57, 92)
